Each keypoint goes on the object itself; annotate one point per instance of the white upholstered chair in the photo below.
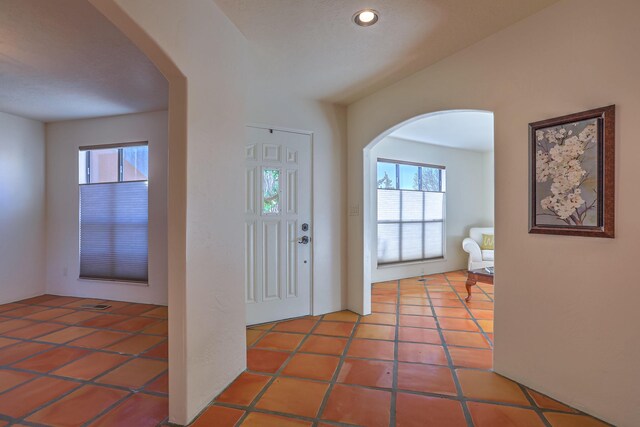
(477, 257)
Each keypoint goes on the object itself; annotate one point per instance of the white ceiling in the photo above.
(464, 129)
(61, 59)
(319, 53)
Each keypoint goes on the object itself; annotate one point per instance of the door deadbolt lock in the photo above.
(305, 227)
(304, 240)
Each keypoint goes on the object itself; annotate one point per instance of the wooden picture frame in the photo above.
(572, 174)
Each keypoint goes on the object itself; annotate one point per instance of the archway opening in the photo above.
(428, 203)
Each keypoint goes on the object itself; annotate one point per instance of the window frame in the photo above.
(442, 189)
(120, 147)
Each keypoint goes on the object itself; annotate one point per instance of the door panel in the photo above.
(278, 203)
(271, 260)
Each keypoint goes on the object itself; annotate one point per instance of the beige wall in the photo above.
(488, 183)
(202, 55)
(63, 140)
(272, 102)
(22, 208)
(467, 202)
(566, 307)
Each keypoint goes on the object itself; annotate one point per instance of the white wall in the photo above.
(566, 318)
(22, 208)
(63, 140)
(203, 56)
(272, 102)
(488, 183)
(467, 200)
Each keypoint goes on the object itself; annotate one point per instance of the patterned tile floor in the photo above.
(423, 358)
(61, 365)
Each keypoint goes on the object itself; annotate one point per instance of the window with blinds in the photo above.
(114, 212)
(411, 207)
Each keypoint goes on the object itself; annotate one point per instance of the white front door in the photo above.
(277, 225)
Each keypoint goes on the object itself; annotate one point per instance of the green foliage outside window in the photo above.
(271, 191)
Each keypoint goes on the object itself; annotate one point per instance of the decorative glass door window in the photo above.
(271, 191)
(411, 210)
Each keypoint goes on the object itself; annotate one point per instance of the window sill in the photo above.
(114, 281)
(407, 263)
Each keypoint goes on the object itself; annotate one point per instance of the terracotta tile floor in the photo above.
(423, 358)
(61, 365)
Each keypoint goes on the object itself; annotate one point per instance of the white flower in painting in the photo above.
(589, 133)
(542, 166)
(551, 136)
(562, 164)
(563, 205)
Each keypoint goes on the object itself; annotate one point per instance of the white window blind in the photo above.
(411, 206)
(114, 210)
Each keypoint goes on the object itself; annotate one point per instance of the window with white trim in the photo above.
(411, 211)
(114, 217)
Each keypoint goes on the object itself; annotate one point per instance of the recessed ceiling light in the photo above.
(366, 17)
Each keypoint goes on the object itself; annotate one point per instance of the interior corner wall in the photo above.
(63, 140)
(466, 200)
(566, 316)
(272, 102)
(203, 56)
(22, 208)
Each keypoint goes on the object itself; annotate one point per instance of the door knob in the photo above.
(304, 240)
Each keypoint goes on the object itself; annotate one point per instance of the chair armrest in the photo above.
(471, 246)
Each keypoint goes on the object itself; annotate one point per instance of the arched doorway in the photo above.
(207, 337)
(468, 131)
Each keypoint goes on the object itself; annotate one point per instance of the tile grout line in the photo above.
(534, 405)
(69, 344)
(87, 382)
(48, 402)
(472, 316)
(279, 373)
(397, 315)
(129, 334)
(108, 409)
(396, 345)
(334, 378)
(246, 412)
(276, 375)
(90, 351)
(492, 300)
(251, 407)
(454, 374)
(55, 346)
(82, 383)
(78, 383)
(270, 412)
(79, 324)
(127, 397)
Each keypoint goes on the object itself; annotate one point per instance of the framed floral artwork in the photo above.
(572, 172)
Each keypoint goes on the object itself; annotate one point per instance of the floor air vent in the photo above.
(95, 306)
